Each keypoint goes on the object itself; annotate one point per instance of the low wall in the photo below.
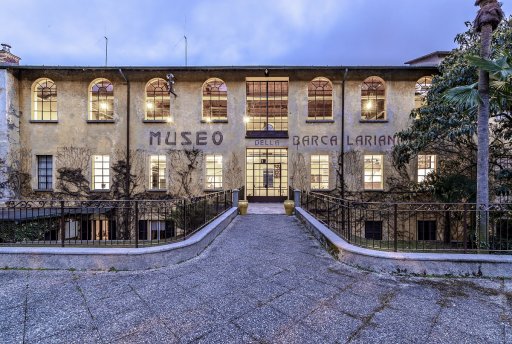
(443, 264)
(115, 258)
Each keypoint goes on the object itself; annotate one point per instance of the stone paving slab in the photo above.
(263, 280)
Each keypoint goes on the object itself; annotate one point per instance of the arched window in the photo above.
(158, 101)
(373, 99)
(44, 100)
(319, 99)
(422, 87)
(101, 100)
(215, 100)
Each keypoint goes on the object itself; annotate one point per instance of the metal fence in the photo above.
(425, 227)
(116, 223)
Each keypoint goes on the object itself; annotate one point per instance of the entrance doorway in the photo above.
(266, 174)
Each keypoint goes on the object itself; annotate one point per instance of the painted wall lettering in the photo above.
(265, 142)
(184, 138)
(315, 140)
(371, 140)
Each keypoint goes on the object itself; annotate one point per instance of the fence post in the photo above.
(62, 224)
(136, 224)
(184, 219)
(235, 198)
(465, 229)
(395, 220)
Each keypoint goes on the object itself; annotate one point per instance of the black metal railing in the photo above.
(116, 223)
(404, 227)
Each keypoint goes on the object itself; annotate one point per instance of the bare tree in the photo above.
(234, 173)
(298, 171)
(73, 164)
(132, 184)
(16, 171)
(185, 177)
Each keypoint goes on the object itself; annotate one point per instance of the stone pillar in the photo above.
(235, 198)
(9, 127)
(296, 197)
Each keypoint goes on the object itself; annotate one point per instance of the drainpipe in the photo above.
(342, 160)
(128, 166)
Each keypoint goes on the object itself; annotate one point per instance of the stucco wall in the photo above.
(73, 129)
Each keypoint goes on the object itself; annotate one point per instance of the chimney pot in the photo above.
(6, 47)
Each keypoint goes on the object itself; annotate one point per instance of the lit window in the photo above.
(157, 177)
(319, 172)
(373, 172)
(422, 87)
(101, 172)
(373, 99)
(101, 100)
(267, 107)
(45, 100)
(426, 165)
(44, 172)
(215, 100)
(213, 172)
(320, 99)
(158, 102)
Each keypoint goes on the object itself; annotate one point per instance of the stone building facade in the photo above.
(69, 131)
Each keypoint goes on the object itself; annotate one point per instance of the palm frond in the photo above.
(463, 98)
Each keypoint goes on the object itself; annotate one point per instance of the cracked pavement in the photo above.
(265, 279)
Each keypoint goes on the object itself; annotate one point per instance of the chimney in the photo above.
(6, 57)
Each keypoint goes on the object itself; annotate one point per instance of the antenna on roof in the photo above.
(186, 47)
(106, 50)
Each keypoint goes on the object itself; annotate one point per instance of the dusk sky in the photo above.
(225, 33)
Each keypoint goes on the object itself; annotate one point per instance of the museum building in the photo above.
(190, 130)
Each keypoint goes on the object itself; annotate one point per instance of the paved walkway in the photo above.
(266, 280)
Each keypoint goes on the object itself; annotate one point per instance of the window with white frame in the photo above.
(215, 100)
(320, 99)
(158, 101)
(373, 99)
(101, 100)
(44, 172)
(157, 180)
(214, 171)
(44, 106)
(319, 172)
(423, 85)
(426, 165)
(373, 172)
(101, 172)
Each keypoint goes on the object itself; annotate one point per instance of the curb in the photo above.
(441, 264)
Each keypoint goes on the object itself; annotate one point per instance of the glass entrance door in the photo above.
(267, 174)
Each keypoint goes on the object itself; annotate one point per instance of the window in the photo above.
(319, 172)
(373, 99)
(44, 100)
(267, 107)
(157, 177)
(101, 100)
(215, 100)
(158, 102)
(156, 230)
(101, 172)
(422, 87)
(373, 230)
(373, 172)
(426, 165)
(214, 172)
(44, 172)
(427, 230)
(320, 99)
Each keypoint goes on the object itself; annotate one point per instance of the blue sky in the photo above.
(222, 32)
